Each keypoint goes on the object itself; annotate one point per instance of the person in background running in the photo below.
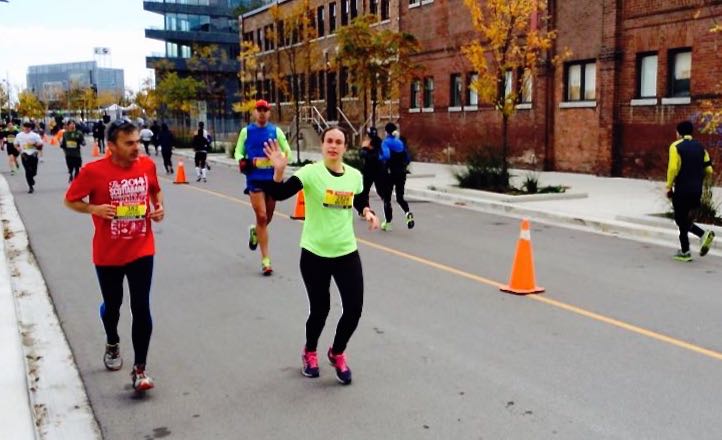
(393, 154)
(72, 141)
(201, 145)
(373, 170)
(155, 128)
(8, 141)
(99, 135)
(27, 142)
(146, 136)
(167, 142)
(328, 243)
(689, 164)
(123, 196)
(258, 170)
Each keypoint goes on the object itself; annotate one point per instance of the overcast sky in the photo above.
(57, 31)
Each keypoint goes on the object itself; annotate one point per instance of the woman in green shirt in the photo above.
(328, 243)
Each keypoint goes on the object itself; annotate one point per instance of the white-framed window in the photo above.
(429, 92)
(415, 95)
(455, 90)
(527, 83)
(332, 17)
(680, 72)
(385, 10)
(320, 28)
(472, 97)
(647, 75)
(581, 81)
(508, 83)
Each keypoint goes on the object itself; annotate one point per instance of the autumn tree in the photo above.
(292, 35)
(247, 75)
(4, 100)
(206, 64)
(513, 40)
(178, 94)
(146, 98)
(379, 59)
(710, 114)
(30, 105)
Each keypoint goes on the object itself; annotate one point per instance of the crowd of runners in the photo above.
(122, 194)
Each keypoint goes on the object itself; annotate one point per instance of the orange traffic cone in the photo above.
(180, 175)
(95, 152)
(299, 213)
(522, 281)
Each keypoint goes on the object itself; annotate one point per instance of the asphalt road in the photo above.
(625, 343)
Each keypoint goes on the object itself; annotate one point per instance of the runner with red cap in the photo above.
(259, 172)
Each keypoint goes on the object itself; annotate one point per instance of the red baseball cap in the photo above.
(262, 104)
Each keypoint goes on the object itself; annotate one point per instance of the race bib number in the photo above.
(71, 144)
(338, 199)
(129, 212)
(11, 139)
(260, 162)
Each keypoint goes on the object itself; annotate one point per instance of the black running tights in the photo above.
(139, 273)
(684, 206)
(317, 273)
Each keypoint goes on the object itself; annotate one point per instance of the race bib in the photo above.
(11, 139)
(338, 199)
(71, 144)
(260, 162)
(130, 212)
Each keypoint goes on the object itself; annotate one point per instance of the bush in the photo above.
(708, 211)
(531, 183)
(484, 170)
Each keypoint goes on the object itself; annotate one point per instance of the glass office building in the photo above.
(48, 81)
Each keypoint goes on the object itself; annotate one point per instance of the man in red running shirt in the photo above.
(123, 196)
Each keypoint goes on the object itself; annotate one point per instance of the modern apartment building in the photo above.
(192, 23)
(49, 81)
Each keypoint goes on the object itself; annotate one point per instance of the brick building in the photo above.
(332, 96)
(637, 68)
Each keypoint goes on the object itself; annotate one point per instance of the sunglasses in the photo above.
(120, 124)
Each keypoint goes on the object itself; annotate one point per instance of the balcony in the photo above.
(181, 64)
(192, 36)
(160, 7)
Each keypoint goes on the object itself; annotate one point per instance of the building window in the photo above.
(414, 102)
(354, 9)
(508, 83)
(455, 90)
(429, 92)
(344, 89)
(472, 98)
(259, 39)
(581, 81)
(185, 51)
(647, 75)
(373, 7)
(268, 41)
(414, 2)
(526, 86)
(680, 72)
(322, 85)
(384, 10)
(320, 21)
(344, 12)
(332, 17)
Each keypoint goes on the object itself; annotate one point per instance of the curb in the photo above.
(504, 198)
(659, 235)
(58, 402)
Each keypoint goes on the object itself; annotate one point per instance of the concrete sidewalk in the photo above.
(629, 208)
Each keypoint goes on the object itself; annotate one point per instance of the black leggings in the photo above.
(167, 162)
(398, 182)
(110, 278)
(683, 206)
(74, 164)
(200, 159)
(317, 272)
(375, 175)
(30, 163)
(146, 146)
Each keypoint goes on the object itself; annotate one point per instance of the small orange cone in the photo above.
(180, 175)
(522, 280)
(95, 152)
(299, 213)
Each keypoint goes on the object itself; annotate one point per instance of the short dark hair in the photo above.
(28, 124)
(685, 128)
(390, 128)
(119, 125)
(323, 133)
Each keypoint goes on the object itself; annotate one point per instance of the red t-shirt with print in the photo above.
(128, 236)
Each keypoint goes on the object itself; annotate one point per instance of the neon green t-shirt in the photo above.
(328, 228)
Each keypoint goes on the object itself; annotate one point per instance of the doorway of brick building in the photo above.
(331, 101)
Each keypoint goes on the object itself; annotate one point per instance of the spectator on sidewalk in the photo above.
(689, 164)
